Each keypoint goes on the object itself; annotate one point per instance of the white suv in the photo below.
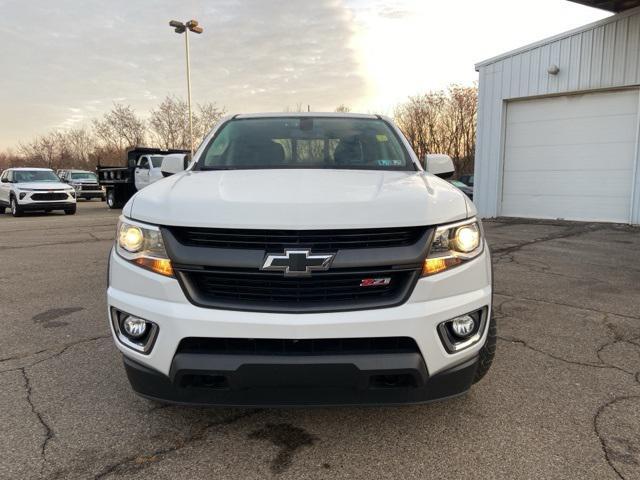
(33, 189)
(302, 259)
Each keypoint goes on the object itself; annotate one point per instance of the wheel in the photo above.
(111, 200)
(2, 210)
(487, 352)
(103, 198)
(16, 211)
(70, 211)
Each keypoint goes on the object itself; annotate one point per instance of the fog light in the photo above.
(22, 195)
(463, 326)
(134, 327)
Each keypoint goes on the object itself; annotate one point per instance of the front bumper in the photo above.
(90, 194)
(44, 205)
(291, 381)
(319, 380)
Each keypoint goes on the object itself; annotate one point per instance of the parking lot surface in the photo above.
(561, 401)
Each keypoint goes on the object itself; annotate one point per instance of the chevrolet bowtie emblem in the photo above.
(298, 262)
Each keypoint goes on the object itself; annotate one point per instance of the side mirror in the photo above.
(174, 163)
(439, 165)
(4, 180)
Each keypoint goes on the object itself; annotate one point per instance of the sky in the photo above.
(65, 62)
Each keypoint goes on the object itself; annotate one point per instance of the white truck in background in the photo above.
(143, 168)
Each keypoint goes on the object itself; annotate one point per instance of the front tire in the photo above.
(16, 211)
(487, 352)
(70, 211)
(111, 200)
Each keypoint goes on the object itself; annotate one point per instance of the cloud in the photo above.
(254, 55)
(393, 12)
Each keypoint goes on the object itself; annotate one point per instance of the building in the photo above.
(559, 124)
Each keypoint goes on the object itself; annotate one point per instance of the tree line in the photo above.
(441, 121)
(106, 139)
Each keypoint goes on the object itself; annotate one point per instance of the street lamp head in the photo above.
(178, 26)
(194, 26)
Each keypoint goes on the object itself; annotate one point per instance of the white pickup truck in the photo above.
(143, 168)
(302, 259)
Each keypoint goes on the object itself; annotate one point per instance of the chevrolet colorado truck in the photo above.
(302, 259)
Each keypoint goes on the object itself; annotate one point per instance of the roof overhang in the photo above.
(610, 5)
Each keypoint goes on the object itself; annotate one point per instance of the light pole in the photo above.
(191, 25)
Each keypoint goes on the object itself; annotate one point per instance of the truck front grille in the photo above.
(317, 240)
(49, 196)
(90, 187)
(335, 290)
(276, 346)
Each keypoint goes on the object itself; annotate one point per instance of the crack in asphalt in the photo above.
(68, 242)
(142, 460)
(65, 347)
(20, 356)
(603, 365)
(565, 360)
(603, 444)
(48, 431)
(571, 231)
(569, 305)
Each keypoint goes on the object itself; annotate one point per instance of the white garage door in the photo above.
(571, 157)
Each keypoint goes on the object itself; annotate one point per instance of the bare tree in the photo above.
(80, 144)
(169, 122)
(120, 128)
(207, 116)
(442, 121)
(342, 108)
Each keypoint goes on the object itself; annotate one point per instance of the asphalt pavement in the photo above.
(561, 401)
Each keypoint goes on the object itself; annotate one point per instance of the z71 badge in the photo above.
(375, 282)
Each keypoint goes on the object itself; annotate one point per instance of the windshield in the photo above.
(157, 161)
(458, 183)
(84, 176)
(23, 176)
(288, 142)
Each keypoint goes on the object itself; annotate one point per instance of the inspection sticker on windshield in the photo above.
(389, 163)
(382, 138)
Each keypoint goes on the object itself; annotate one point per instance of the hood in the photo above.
(298, 199)
(42, 185)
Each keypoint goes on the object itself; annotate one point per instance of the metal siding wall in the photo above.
(604, 56)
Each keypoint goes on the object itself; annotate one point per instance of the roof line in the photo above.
(560, 36)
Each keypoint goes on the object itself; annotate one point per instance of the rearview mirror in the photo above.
(174, 163)
(439, 164)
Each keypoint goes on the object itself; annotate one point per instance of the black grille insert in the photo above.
(272, 346)
(49, 196)
(240, 289)
(318, 240)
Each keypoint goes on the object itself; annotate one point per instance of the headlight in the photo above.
(453, 245)
(142, 244)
